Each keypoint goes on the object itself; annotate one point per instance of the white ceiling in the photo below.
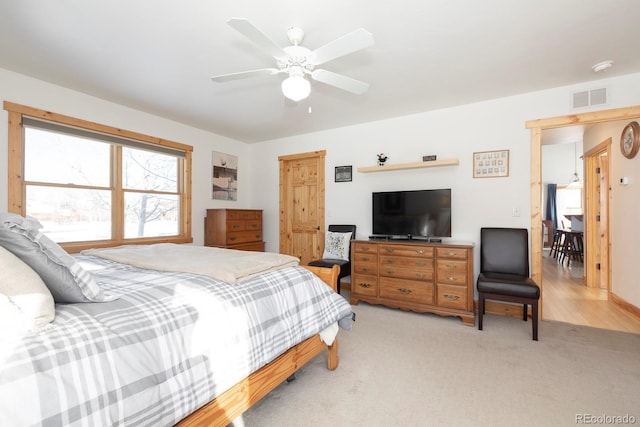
(159, 55)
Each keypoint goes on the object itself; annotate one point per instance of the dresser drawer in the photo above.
(244, 215)
(451, 267)
(406, 268)
(452, 272)
(365, 267)
(365, 247)
(452, 296)
(253, 246)
(364, 285)
(454, 253)
(243, 237)
(255, 225)
(235, 225)
(406, 290)
(406, 251)
(364, 257)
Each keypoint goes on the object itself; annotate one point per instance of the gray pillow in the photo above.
(67, 281)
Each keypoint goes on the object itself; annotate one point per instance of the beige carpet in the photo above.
(405, 369)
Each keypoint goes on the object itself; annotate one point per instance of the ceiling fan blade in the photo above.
(245, 75)
(263, 41)
(340, 81)
(355, 40)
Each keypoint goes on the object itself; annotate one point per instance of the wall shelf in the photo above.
(415, 165)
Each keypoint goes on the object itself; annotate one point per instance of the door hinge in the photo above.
(598, 218)
(598, 170)
(597, 266)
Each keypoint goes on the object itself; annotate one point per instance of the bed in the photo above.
(168, 347)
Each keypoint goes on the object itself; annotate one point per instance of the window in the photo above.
(94, 186)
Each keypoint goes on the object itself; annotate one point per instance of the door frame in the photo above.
(592, 208)
(536, 127)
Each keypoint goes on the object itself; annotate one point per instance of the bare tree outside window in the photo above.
(69, 188)
(150, 184)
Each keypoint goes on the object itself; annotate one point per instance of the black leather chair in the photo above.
(504, 272)
(345, 265)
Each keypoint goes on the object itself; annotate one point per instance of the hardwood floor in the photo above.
(566, 299)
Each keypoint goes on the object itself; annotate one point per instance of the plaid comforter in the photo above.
(170, 343)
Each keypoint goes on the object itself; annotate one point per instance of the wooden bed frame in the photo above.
(232, 403)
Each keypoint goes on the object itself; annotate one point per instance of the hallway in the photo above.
(566, 299)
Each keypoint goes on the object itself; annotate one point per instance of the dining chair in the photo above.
(504, 272)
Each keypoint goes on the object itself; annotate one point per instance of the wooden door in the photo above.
(302, 205)
(597, 264)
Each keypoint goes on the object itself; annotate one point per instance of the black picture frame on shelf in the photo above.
(343, 173)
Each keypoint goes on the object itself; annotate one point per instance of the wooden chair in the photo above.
(345, 265)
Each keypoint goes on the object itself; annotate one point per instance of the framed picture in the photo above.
(491, 164)
(224, 177)
(343, 173)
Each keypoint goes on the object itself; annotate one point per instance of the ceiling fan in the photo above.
(298, 61)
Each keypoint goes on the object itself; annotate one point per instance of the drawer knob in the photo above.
(365, 268)
(232, 238)
(365, 258)
(390, 272)
(389, 261)
(421, 263)
(451, 253)
(388, 249)
(451, 278)
(364, 285)
(451, 297)
(420, 275)
(452, 266)
(404, 291)
(419, 251)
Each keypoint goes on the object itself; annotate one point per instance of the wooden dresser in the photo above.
(234, 229)
(417, 276)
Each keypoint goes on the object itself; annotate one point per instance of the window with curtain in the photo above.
(91, 188)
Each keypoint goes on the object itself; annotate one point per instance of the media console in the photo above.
(421, 276)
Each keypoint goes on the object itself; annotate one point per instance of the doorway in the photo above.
(536, 127)
(577, 288)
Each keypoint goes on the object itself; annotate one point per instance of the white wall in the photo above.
(448, 133)
(38, 94)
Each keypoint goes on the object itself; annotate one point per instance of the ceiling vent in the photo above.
(588, 98)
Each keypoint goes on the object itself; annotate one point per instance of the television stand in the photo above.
(420, 276)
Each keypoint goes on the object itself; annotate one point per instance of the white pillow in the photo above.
(25, 302)
(336, 245)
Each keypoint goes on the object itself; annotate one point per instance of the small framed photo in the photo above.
(343, 173)
(491, 164)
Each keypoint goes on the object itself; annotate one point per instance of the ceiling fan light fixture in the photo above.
(296, 88)
(602, 66)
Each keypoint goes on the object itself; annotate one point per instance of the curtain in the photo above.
(551, 214)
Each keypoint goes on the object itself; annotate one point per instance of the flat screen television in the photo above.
(417, 214)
